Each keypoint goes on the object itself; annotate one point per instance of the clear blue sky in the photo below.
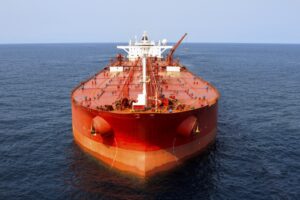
(56, 21)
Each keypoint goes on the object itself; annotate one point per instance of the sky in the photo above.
(228, 21)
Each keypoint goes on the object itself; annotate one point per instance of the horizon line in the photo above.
(46, 43)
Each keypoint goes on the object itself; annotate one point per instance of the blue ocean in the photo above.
(256, 154)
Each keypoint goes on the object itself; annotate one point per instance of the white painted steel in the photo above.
(142, 98)
(145, 47)
(116, 68)
(173, 69)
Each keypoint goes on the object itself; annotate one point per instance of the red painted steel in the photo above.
(179, 120)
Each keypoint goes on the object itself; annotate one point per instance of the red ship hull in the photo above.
(145, 113)
(145, 143)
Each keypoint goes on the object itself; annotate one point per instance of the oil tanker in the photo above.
(144, 112)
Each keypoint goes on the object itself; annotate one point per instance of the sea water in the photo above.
(256, 154)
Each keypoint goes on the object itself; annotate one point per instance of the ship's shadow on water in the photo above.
(88, 178)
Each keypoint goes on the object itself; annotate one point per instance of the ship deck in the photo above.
(185, 89)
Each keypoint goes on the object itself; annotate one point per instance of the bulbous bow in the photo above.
(101, 126)
(187, 126)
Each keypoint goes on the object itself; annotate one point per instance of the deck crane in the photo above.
(169, 58)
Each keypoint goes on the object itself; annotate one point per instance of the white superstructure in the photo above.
(145, 48)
